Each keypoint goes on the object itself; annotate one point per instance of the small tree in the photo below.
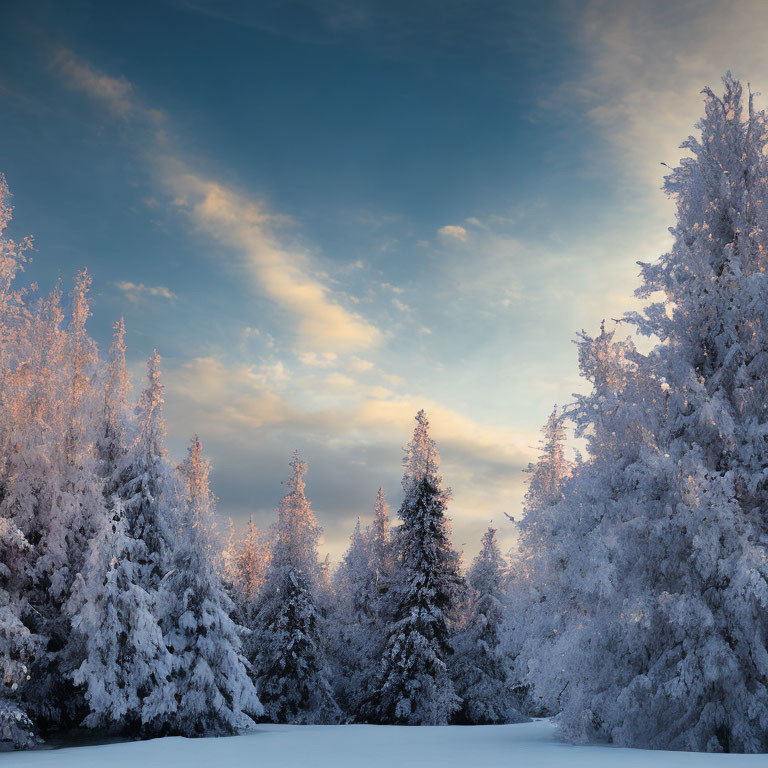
(245, 565)
(481, 669)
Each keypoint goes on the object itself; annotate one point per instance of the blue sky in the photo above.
(327, 215)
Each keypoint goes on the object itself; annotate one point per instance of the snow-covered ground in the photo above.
(367, 746)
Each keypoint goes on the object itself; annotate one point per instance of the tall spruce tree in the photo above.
(672, 655)
(289, 661)
(213, 692)
(112, 439)
(412, 685)
(126, 672)
(18, 645)
(127, 666)
(362, 582)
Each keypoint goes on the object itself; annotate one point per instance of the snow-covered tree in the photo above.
(380, 549)
(672, 652)
(481, 666)
(245, 565)
(287, 644)
(17, 645)
(146, 500)
(412, 684)
(213, 691)
(352, 631)
(127, 666)
(362, 581)
(112, 439)
(53, 492)
(125, 675)
(530, 574)
(147, 487)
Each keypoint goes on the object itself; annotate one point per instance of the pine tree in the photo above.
(380, 550)
(17, 645)
(413, 685)
(126, 668)
(481, 668)
(34, 432)
(673, 653)
(147, 487)
(213, 692)
(532, 568)
(290, 667)
(148, 496)
(353, 640)
(112, 441)
(127, 665)
(62, 492)
(245, 566)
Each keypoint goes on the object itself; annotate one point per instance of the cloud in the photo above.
(339, 381)
(116, 93)
(315, 360)
(455, 231)
(400, 306)
(647, 65)
(283, 273)
(359, 365)
(137, 292)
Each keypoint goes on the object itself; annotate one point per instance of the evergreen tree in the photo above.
(353, 640)
(531, 568)
(127, 666)
(17, 645)
(213, 692)
(148, 495)
(34, 431)
(245, 566)
(290, 667)
(126, 670)
(380, 553)
(672, 655)
(481, 669)
(147, 487)
(58, 486)
(413, 685)
(112, 441)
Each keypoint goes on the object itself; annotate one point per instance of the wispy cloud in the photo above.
(116, 93)
(137, 292)
(455, 231)
(647, 65)
(285, 274)
(282, 272)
